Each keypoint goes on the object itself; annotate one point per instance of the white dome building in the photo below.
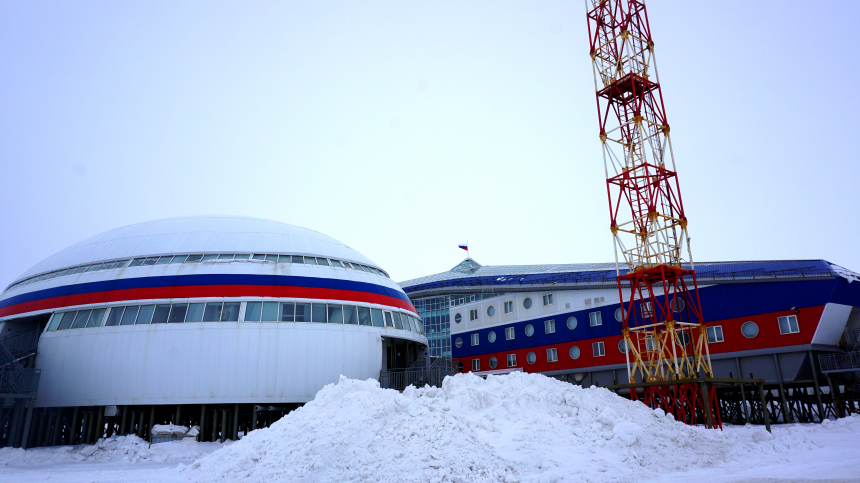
(225, 312)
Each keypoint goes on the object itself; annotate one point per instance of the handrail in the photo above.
(21, 381)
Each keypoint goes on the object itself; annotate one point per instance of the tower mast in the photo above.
(661, 313)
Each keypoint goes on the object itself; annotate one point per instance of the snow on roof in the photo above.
(605, 274)
(198, 234)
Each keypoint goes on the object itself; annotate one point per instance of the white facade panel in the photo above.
(204, 363)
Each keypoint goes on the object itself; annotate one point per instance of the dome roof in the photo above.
(198, 234)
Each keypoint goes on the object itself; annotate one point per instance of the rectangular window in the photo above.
(547, 299)
(298, 259)
(594, 319)
(509, 333)
(164, 260)
(91, 268)
(336, 263)
(397, 322)
(195, 313)
(509, 307)
(788, 324)
(335, 314)
(303, 312)
(129, 316)
(476, 339)
(96, 318)
(136, 262)
(161, 313)
(310, 261)
(549, 326)
(270, 312)
(253, 311)
(242, 256)
(715, 334)
(229, 256)
(597, 348)
(179, 259)
(476, 364)
(376, 317)
(551, 355)
(230, 312)
(81, 319)
(177, 313)
(650, 344)
(66, 322)
(258, 256)
(318, 313)
(322, 261)
(388, 321)
(287, 313)
(150, 261)
(144, 316)
(473, 314)
(210, 257)
(212, 312)
(55, 321)
(193, 258)
(350, 315)
(512, 360)
(364, 316)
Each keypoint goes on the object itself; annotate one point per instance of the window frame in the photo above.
(509, 307)
(598, 345)
(552, 354)
(475, 339)
(547, 299)
(473, 315)
(476, 364)
(592, 319)
(547, 325)
(788, 319)
(510, 333)
(512, 360)
(715, 327)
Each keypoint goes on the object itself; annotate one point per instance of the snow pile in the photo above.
(514, 428)
(116, 448)
(169, 429)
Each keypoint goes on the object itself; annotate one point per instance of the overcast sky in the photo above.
(406, 128)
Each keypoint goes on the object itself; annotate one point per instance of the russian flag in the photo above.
(464, 247)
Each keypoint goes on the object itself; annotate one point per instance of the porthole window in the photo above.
(527, 303)
(619, 314)
(571, 322)
(622, 346)
(530, 330)
(491, 311)
(574, 352)
(491, 336)
(493, 362)
(749, 329)
(458, 318)
(683, 338)
(458, 342)
(531, 358)
(678, 304)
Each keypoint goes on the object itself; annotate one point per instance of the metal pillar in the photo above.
(13, 430)
(100, 424)
(73, 432)
(786, 418)
(140, 432)
(817, 387)
(202, 422)
(40, 429)
(214, 424)
(743, 391)
(178, 415)
(223, 424)
(124, 420)
(236, 423)
(706, 404)
(58, 427)
(254, 419)
(25, 438)
(151, 423)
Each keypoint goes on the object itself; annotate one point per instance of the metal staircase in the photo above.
(15, 380)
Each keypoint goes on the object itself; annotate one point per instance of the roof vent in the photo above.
(467, 266)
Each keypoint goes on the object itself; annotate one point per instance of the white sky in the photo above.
(404, 129)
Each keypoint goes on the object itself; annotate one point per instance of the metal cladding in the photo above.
(207, 310)
(647, 216)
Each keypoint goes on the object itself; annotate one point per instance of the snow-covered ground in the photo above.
(514, 428)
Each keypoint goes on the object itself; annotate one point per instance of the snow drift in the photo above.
(513, 428)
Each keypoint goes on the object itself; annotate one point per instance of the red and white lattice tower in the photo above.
(662, 316)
